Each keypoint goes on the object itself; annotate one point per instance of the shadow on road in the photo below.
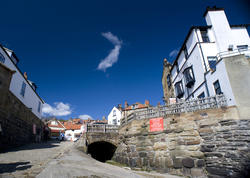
(42, 145)
(12, 167)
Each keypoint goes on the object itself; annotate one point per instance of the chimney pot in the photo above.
(25, 75)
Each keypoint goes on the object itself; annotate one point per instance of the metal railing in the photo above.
(177, 108)
(102, 128)
(245, 51)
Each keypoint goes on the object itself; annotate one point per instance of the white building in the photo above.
(199, 69)
(20, 86)
(114, 116)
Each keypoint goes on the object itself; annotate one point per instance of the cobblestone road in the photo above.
(59, 160)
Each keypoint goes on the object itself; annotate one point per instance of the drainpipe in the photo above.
(203, 62)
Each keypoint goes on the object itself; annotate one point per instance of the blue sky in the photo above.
(61, 44)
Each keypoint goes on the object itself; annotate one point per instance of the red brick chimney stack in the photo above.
(146, 102)
(120, 107)
(126, 104)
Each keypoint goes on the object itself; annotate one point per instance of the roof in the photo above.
(183, 45)
(214, 8)
(72, 126)
(56, 131)
(4, 49)
(240, 25)
(60, 125)
(139, 106)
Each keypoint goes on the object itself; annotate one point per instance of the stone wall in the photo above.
(16, 120)
(209, 143)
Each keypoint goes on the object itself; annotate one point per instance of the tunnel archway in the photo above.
(101, 151)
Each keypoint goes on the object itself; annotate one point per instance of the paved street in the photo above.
(53, 159)
(29, 160)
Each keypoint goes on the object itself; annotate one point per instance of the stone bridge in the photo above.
(198, 138)
(100, 141)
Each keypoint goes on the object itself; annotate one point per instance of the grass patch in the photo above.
(116, 163)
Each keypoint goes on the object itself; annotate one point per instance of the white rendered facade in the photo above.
(20, 86)
(199, 69)
(114, 116)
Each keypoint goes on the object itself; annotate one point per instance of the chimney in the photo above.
(25, 75)
(159, 104)
(120, 107)
(126, 104)
(146, 102)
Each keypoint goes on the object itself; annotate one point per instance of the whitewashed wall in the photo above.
(223, 33)
(30, 99)
(117, 117)
(221, 75)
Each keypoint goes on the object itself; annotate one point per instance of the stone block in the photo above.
(205, 130)
(193, 148)
(177, 163)
(188, 162)
(200, 163)
(196, 172)
(160, 146)
(227, 122)
(207, 148)
(214, 154)
(193, 142)
(220, 171)
(132, 162)
(168, 162)
(196, 154)
(142, 154)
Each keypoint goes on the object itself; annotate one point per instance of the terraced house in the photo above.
(20, 86)
(20, 104)
(213, 60)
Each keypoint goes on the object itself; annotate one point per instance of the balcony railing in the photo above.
(217, 101)
(234, 52)
(102, 128)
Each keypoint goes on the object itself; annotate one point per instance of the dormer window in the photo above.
(189, 77)
(179, 89)
(204, 36)
(168, 80)
(2, 59)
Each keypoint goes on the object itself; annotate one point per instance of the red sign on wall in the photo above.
(156, 124)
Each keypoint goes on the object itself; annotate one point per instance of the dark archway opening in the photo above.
(101, 151)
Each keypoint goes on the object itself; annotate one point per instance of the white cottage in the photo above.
(114, 116)
(20, 86)
(199, 69)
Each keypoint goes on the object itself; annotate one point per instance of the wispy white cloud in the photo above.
(85, 117)
(114, 53)
(173, 53)
(59, 109)
(112, 38)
